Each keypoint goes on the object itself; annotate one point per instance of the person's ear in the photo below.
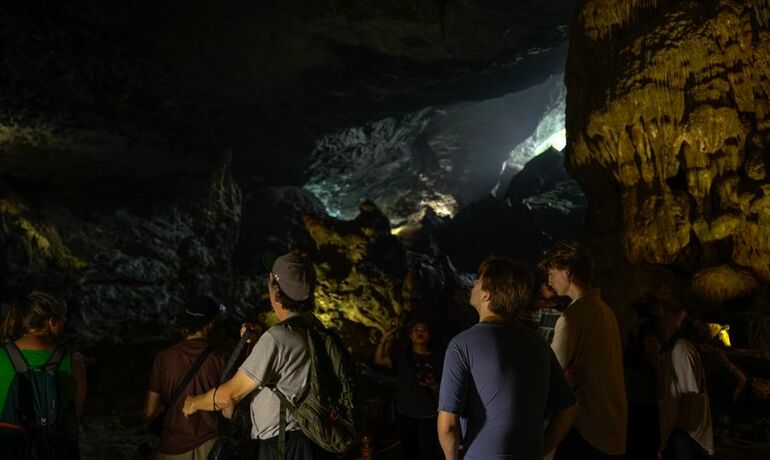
(53, 325)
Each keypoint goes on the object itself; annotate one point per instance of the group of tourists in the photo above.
(533, 378)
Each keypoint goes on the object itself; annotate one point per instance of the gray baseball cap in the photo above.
(295, 276)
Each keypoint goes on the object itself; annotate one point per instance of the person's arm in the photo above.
(152, 403)
(559, 426)
(381, 355)
(224, 396)
(688, 373)
(564, 345)
(561, 402)
(255, 371)
(455, 381)
(81, 383)
(449, 436)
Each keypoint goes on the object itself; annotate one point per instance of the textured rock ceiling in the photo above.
(127, 90)
(114, 117)
(668, 117)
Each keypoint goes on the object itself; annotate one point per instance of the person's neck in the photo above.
(576, 290)
(487, 316)
(197, 335)
(35, 342)
(420, 348)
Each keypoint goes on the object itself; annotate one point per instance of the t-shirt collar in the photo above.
(588, 293)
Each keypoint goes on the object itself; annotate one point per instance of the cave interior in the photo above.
(151, 152)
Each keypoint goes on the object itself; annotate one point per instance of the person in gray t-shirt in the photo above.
(500, 378)
(280, 358)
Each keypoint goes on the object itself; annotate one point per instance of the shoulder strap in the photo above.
(307, 321)
(18, 362)
(281, 448)
(236, 355)
(56, 358)
(186, 380)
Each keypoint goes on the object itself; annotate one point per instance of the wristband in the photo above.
(214, 399)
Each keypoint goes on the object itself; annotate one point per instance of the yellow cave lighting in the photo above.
(717, 330)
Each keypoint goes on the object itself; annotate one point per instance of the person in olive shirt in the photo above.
(419, 371)
(34, 324)
(587, 344)
(186, 438)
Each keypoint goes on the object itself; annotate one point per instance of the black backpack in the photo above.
(32, 427)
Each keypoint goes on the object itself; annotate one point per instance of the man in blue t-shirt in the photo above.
(501, 378)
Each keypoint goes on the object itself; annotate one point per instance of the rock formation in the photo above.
(668, 118)
(129, 263)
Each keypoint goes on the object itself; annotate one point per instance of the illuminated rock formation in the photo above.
(668, 118)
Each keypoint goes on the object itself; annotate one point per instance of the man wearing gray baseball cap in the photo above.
(280, 359)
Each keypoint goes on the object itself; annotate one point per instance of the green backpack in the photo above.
(32, 417)
(328, 412)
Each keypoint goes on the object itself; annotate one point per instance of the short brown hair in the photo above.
(509, 284)
(571, 256)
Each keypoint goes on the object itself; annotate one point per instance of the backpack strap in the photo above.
(56, 357)
(281, 451)
(20, 365)
(186, 380)
(285, 404)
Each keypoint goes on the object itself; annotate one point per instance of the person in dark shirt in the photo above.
(186, 438)
(418, 370)
(500, 377)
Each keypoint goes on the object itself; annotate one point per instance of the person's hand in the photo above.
(429, 382)
(252, 327)
(189, 406)
(388, 335)
(659, 456)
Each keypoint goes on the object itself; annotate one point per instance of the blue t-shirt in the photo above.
(501, 379)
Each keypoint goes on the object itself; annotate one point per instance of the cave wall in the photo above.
(668, 121)
(124, 263)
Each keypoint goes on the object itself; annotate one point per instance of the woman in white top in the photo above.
(685, 415)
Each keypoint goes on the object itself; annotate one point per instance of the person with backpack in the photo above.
(188, 367)
(304, 399)
(42, 383)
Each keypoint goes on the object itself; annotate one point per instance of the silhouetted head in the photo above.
(37, 313)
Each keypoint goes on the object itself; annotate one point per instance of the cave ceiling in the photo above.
(112, 92)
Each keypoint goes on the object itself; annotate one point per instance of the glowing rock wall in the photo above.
(668, 118)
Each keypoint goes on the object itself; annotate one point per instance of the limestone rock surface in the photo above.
(668, 119)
